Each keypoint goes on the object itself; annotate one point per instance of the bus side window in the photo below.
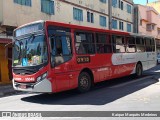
(153, 44)
(84, 43)
(148, 44)
(103, 43)
(60, 49)
(131, 45)
(118, 44)
(140, 44)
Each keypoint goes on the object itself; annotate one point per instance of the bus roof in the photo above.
(141, 35)
(84, 28)
(73, 27)
(48, 22)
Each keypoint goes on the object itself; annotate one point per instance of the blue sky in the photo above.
(143, 2)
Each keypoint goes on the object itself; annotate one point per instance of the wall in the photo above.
(148, 16)
(1, 8)
(19, 14)
(155, 5)
(3, 66)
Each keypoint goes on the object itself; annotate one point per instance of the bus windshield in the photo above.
(30, 51)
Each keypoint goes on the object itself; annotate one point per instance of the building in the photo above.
(147, 22)
(105, 14)
(88, 13)
(155, 5)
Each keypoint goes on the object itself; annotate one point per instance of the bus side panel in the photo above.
(142, 57)
(101, 63)
(123, 64)
(151, 60)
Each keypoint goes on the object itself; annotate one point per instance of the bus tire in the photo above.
(84, 82)
(139, 70)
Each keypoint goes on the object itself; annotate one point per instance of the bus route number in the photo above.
(83, 59)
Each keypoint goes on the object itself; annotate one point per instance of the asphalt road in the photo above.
(123, 94)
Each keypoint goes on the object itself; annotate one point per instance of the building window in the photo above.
(150, 27)
(77, 14)
(140, 22)
(23, 2)
(114, 24)
(47, 6)
(90, 17)
(120, 25)
(128, 27)
(158, 31)
(114, 3)
(103, 1)
(128, 8)
(121, 4)
(103, 21)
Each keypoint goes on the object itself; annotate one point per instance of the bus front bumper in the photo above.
(43, 86)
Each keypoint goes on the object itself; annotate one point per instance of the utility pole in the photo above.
(110, 13)
(147, 1)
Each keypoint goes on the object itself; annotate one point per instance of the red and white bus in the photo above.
(52, 57)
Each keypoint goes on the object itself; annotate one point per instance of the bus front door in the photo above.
(61, 54)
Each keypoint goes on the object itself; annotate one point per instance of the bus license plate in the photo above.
(23, 86)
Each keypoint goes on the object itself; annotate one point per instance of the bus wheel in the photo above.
(139, 70)
(84, 82)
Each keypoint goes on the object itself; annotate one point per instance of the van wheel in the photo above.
(84, 82)
(139, 70)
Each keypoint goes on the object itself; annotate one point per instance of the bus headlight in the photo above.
(40, 78)
(44, 75)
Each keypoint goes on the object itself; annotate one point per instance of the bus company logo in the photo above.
(83, 59)
(6, 114)
(119, 58)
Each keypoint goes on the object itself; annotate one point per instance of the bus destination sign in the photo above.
(29, 29)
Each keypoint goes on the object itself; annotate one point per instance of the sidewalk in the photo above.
(7, 90)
